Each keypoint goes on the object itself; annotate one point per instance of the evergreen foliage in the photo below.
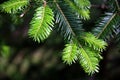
(70, 53)
(12, 6)
(81, 7)
(107, 25)
(89, 57)
(69, 24)
(81, 46)
(41, 24)
(90, 40)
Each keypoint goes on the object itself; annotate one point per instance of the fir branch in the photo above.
(41, 24)
(70, 53)
(91, 41)
(107, 25)
(13, 6)
(83, 4)
(88, 60)
(66, 22)
(82, 8)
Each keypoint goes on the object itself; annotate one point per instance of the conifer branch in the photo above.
(12, 6)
